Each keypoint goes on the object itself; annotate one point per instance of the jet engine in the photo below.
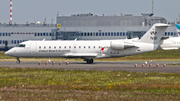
(119, 45)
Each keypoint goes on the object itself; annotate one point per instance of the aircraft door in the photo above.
(28, 46)
(33, 47)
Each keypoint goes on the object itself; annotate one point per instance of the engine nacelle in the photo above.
(119, 45)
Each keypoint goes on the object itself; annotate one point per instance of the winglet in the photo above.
(178, 29)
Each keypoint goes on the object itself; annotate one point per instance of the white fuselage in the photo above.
(170, 43)
(79, 49)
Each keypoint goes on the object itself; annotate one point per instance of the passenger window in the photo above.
(54, 47)
(94, 47)
(89, 47)
(69, 46)
(59, 46)
(79, 46)
(39, 47)
(74, 46)
(44, 47)
(84, 47)
(64, 46)
(99, 46)
(49, 47)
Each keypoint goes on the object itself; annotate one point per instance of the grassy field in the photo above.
(79, 85)
(158, 55)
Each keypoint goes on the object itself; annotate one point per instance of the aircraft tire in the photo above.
(92, 60)
(18, 62)
(89, 61)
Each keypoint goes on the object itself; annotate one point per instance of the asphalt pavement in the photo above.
(102, 66)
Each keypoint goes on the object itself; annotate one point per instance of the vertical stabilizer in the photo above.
(154, 34)
(178, 29)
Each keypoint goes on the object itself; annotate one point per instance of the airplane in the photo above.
(171, 43)
(89, 50)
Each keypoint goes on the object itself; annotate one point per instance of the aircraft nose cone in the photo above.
(7, 53)
(10, 53)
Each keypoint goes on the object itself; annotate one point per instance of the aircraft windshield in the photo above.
(20, 45)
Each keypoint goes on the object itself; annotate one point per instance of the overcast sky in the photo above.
(38, 10)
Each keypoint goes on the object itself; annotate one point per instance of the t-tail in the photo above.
(178, 29)
(154, 34)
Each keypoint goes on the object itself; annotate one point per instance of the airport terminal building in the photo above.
(94, 27)
(82, 27)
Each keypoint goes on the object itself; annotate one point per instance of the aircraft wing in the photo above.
(171, 48)
(81, 55)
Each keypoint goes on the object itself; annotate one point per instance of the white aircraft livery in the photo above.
(171, 43)
(89, 50)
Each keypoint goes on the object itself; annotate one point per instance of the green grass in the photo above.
(79, 85)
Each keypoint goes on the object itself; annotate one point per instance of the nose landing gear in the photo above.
(18, 61)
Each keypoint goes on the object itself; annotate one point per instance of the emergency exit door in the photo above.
(33, 47)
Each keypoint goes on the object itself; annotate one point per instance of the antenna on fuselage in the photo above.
(75, 39)
(44, 39)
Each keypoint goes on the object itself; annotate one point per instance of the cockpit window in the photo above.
(20, 45)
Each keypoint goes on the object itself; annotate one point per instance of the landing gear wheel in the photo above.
(18, 61)
(89, 61)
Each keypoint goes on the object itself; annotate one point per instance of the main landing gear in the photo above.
(18, 61)
(89, 61)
